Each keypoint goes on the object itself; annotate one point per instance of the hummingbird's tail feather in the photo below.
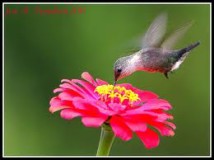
(181, 52)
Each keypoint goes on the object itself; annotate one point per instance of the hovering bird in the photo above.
(156, 54)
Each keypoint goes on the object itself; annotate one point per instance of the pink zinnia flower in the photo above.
(125, 108)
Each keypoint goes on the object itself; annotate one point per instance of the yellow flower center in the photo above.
(111, 92)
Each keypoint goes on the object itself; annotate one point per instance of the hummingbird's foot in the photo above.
(166, 75)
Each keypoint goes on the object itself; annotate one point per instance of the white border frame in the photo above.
(107, 4)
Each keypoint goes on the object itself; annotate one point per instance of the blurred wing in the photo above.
(155, 32)
(169, 43)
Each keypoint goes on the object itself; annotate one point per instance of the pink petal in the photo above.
(57, 90)
(138, 123)
(162, 128)
(89, 78)
(57, 104)
(120, 129)
(126, 85)
(65, 96)
(93, 121)
(157, 104)
(92, 108)
(103, 108)
(101, 82)
(55, 101)
(86, 106)
(148, 107)
(172, 125)
(73, 93)
(53, 109)
(74, 89)
(159, 116)
(65, 80)
(84, 84)
(117, 108)
(146, 95)
(87, 87)
(69, 114)
(149, 138)
(135, 123)
(66, 86)
(81, 90)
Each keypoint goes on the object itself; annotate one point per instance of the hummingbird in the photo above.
(156, 54)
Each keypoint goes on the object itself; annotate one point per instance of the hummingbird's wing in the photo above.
(155, 33)
(169, 42)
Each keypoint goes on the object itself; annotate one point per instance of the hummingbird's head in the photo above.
(122, 68)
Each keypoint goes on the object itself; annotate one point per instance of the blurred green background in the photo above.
(40, 50)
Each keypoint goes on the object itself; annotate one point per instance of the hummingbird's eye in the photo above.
(119, 70)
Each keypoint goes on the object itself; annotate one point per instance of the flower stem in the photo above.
(106, 141)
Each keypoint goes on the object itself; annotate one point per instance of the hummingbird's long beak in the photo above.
(116, 75)
(115, 82)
